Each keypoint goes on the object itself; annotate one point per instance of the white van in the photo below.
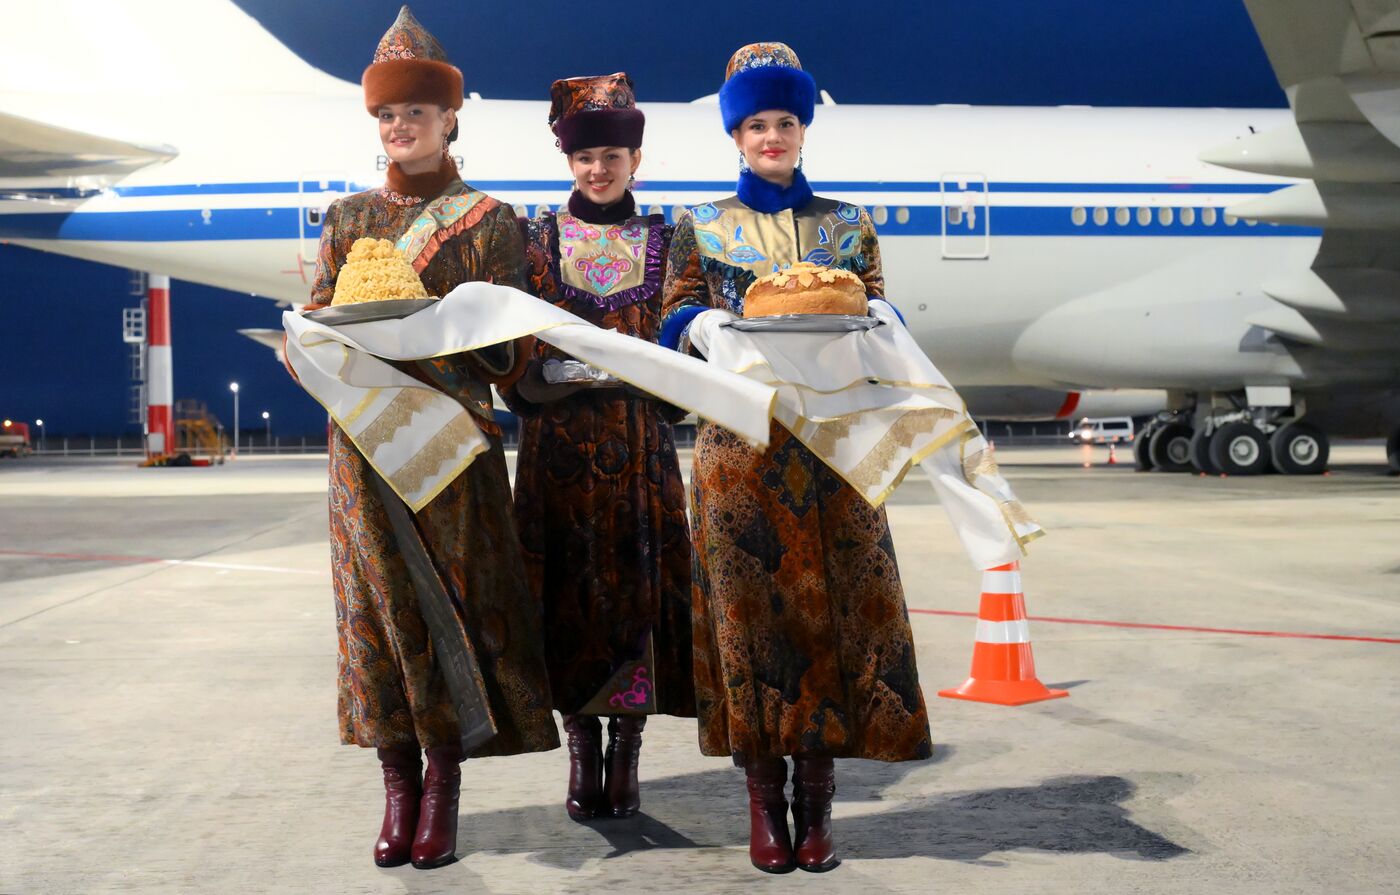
(1108, 430)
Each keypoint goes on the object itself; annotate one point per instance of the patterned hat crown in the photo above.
(595, 93)
(408, 39)
(761, 55)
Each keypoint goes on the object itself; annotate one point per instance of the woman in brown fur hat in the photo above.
(392, 692)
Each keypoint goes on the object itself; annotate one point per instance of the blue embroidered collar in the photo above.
(767, 197)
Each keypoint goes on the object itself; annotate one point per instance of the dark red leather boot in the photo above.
(770, 843)
(624, 754)
(436, 842)
(585, 737)
(813, 788)
(403, 787)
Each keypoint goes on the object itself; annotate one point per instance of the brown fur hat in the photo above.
(410, 66)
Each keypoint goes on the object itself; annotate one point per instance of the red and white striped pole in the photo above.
(160, 384)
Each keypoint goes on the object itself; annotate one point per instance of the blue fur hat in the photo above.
(765, 76)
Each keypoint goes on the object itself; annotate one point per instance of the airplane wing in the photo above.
(33, 149)
(1339, 63)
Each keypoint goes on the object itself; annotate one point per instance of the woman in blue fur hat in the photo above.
(801, 637)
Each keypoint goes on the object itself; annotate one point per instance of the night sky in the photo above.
(60, 319)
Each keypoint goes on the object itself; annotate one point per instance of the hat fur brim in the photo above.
(600, 127)
(755, 90)
(412, 81)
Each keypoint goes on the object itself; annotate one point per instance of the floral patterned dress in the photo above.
(599, 496)
(802, 639)
(391, 691)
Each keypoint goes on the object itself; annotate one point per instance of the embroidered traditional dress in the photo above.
(391, 691)
(802, 639)
(599, 496)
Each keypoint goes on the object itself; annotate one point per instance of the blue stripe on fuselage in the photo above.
(282, 223)
(722, 187)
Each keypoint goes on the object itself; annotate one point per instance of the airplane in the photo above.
(1238, 267)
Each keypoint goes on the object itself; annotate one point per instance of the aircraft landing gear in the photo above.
(1392, 452)
(1299, 449)
(1170, 448)
(1239, 448)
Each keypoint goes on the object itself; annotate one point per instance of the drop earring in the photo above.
(799, 159)
(743, 163)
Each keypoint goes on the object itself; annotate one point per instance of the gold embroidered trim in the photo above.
(398, 414)
(442, 447)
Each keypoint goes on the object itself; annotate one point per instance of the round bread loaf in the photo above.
(806, 288)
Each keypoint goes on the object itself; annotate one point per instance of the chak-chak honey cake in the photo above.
(376, 271)
(806, 289)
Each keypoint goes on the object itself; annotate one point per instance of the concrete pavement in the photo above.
(167, 662)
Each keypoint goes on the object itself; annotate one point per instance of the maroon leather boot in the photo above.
(584, 734)
(436, 842)
(770, 843)
(624, 754)
(403, 786)
(813, 787)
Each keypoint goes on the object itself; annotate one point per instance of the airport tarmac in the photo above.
(1231, 647)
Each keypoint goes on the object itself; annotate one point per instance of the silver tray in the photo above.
(369, 311)
(804, 323)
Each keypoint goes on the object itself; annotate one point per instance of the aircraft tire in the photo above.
(1239, 449)
(1170, 448)
(1200, 453)
(1392, 452)
(1299, 449)
(1142, 442)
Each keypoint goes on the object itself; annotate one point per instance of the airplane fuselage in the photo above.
(1047, 247)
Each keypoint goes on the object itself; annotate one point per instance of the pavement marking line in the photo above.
(102, 557)
(1187, 628)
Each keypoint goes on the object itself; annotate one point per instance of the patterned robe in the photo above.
(598, 494)
(802, 638)
(391, 691)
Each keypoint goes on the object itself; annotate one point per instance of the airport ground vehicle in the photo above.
(14, 440)
(1107, 430)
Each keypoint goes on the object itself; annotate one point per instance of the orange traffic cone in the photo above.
(1003, 671)
(1112, 458)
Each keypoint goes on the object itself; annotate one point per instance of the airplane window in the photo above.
(520, 211)
(313, 216)
(541, 209)
(1208, 217)
(1100, 216)
(1144, 216)
(1250, 222)
(1231, 220)
(1079, 216)
(954, 215)
(676, 212)
(901, 215)
(1165, 216)
(1188, 216)
(656, 209)
(1120, 216)
(881, 214)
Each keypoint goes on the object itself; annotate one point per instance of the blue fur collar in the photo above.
(767, 197)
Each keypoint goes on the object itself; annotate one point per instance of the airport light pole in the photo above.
(267, 421)
(43, 435)
(233, 387)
